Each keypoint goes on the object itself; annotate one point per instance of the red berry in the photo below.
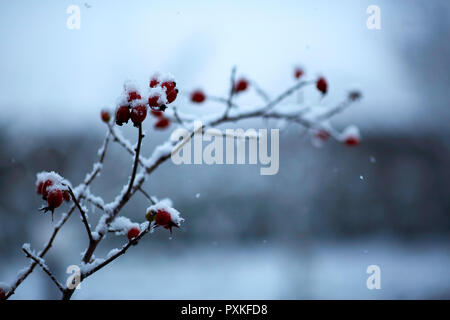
(133, 233)
(157, 113)
(154, 82)
(298, 73)
(105, 116)
(169, 85)
(162, 123)
(122, 115)
(241, 85)
(133, 95)
(153, 101)
(352, 141)
(46, 184)
(322, 135)
(2, 294)
(138, 114)
(39, 187)
(163, 218)
(198, 96)
(322, 85)
(172, 95)
(55, 198)
(66, 195)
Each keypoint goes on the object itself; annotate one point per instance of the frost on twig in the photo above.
(41, 263)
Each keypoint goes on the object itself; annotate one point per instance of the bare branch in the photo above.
(286, 94)
(338, 109)
(146, 195)
(264, 96)
(177, 116)
(222, 100)
(124, 143)
(83, 214)
(231, 94)
(136, 160)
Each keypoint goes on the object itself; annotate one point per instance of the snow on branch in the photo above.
(135, 105)
(41, 263)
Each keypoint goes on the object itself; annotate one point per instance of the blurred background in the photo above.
(308, 232)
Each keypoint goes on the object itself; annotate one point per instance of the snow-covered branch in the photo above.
(96, 168)
(41, 263)
(134, 106)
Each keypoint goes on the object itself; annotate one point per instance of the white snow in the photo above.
(130, 85)
(122, 225)
(58, 181)
(26, 246)
(139, 102)
(350, 131)
(161, 150)
(95, 235)
(101, 227)
(158, 92)
(94, 199)
(5, 287)
(163, 77)
(112, 252)
(144, 225)
(86, 267)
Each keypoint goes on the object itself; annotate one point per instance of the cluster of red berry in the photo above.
(49, 185)
(134, 107)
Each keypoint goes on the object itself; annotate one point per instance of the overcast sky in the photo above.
(51, 73)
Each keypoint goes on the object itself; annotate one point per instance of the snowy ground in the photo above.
(268, 271)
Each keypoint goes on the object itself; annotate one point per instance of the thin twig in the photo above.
(95, 203)
(232, 91)
(124, 143)
(264, 96)
(146, 195)
(44, 268)
(339, 108)
(83, 214)
(136, 159)
(287, 93)
(177, 116)
(222, 100)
